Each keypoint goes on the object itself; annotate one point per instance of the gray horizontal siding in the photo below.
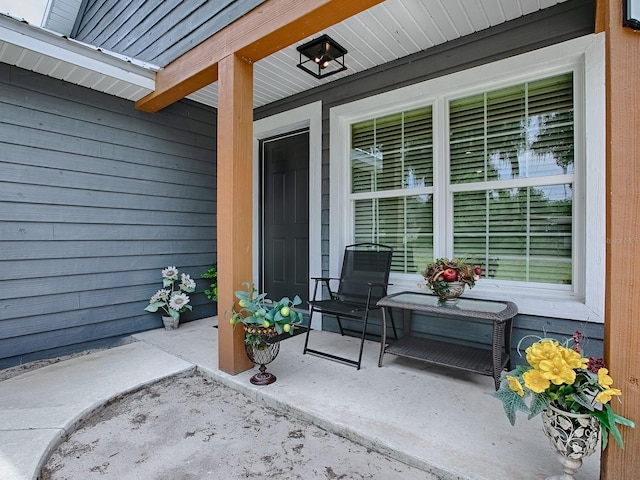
(571, 19)
(96, 198)
(153, 31)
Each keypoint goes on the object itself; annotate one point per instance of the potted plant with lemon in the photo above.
(263, 321)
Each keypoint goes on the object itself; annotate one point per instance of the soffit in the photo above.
(384, 33)
(49, 53)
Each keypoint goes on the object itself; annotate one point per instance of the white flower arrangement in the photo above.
(171, 299)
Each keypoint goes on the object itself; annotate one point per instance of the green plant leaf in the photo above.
(153, 307)
(212, 272)
(538, 404)
(582, 399)
(511, 401)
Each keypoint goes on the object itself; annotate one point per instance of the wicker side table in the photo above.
(477, 360)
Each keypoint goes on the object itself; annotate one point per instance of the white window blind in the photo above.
(522, 137)
(392, 185)
(510, 164)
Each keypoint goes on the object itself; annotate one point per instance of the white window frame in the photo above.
(584, 57)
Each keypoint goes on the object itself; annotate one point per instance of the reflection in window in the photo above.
(523, 131)
(392, 159)
(506, 188)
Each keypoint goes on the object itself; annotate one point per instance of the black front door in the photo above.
(285, 216)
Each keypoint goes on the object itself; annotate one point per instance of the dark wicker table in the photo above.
(473, 359)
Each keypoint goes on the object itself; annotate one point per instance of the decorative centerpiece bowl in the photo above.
(447, 278)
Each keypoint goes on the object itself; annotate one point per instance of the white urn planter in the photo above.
(573, 435)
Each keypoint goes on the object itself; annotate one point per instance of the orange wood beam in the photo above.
(622, 292)
(235, 203)
(268, 28)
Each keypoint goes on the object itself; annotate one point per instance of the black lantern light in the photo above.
(631, 14)
(322, 57)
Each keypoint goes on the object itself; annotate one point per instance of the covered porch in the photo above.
(438, 419)
(232, 66)
(433, 416)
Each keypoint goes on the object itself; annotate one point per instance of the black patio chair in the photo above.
(363, 281)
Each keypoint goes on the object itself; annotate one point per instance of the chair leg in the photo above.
(306, 340)
(362, 337)
(339, 325)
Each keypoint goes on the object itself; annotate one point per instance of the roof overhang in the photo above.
(48, 53)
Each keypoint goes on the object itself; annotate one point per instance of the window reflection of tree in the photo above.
(518, 132)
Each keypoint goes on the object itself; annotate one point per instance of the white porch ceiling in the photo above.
(386, 32)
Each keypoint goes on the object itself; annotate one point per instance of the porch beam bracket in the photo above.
(269, 28)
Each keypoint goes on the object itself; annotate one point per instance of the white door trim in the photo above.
(306, 116)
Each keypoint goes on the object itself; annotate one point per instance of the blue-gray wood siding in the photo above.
(95, 199)
(562, 22)
(153, 31)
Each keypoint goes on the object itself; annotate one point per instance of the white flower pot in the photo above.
(170, 323)
(573, 435)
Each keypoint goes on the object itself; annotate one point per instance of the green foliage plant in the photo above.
(256, 310)
(212, 291)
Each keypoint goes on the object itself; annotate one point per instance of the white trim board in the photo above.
(306, 116)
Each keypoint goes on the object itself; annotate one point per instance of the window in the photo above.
(502, 164)
(511, 175)
(511, 178)
(391, 185)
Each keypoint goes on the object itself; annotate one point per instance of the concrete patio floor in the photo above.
(437, 419)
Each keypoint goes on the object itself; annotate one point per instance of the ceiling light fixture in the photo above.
(322, 57)
(631, 14)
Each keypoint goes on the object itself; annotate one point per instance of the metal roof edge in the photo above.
(19, 32)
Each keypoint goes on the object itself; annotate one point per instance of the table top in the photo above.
(499, 311)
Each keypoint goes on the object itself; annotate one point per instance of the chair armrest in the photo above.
(326, 281)
(372, 285)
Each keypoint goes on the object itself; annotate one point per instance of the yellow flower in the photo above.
(514, 385)
(535, 382)
(574, 359)
(604, 379)
(557, 371)
(604, 397)
(542, 350)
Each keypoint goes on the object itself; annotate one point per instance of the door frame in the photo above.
(308, 116)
